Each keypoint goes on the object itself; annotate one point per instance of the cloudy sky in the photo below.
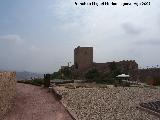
(40, 35)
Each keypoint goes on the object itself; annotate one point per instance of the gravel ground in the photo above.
(36, 103)
(108, 103)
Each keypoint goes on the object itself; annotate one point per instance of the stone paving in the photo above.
(115, 103)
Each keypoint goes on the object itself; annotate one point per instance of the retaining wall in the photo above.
(7, 91)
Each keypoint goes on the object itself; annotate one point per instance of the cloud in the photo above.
(151, 42)
(115, 32)
(21, 54)
(131, 29)
(18, 54)
(11, 39)
(34, 48)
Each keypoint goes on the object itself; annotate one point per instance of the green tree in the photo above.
(114, 71)
(93, 75)
(56, 75)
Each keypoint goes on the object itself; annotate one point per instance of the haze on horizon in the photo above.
(40, 35)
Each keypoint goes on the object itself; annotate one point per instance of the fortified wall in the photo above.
(149, 74)
(7, 91)
(129, 67)
(124, 67)
(83, 61)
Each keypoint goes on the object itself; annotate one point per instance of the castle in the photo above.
(83, 62)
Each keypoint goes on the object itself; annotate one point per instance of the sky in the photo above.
(40, 35)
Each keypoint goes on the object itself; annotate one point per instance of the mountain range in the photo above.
(25, 75)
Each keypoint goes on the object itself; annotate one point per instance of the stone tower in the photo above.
(83, 57)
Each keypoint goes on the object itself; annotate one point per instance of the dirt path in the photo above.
(36, 103)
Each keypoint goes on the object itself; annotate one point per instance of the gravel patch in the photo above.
(108, 103)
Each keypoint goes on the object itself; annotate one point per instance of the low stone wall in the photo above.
(7, 91)
(58, 98)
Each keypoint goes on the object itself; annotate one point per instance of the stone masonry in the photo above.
(83, 61)
(149, 74)
(83, 57)
(7, 91)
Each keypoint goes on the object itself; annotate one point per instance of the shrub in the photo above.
(62, 74)
(126, 84)
(37, 82)
(156, 81)
(93, 75)
(110, 81)
(56, 75)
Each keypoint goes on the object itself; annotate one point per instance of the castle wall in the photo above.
(125, 67)
(103, 68)
(129, 67)
(149, 74)
(7, 91)
(83, 61)
(83, 57)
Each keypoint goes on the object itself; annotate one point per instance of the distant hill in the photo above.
(25, 75)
